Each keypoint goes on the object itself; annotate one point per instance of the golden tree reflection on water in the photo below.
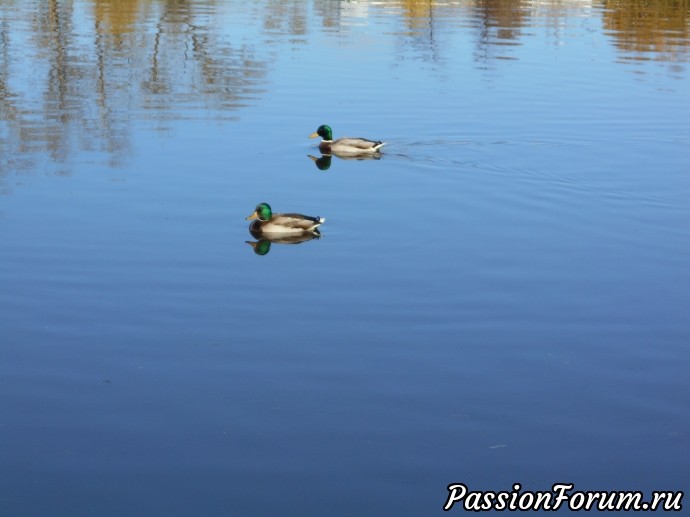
(88, 81)
(658, 30)
(641, 29)
(95, 65)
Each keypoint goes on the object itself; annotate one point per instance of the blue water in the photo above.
(503, 297)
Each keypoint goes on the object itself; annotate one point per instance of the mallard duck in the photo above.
(269, 223)
(345, 146)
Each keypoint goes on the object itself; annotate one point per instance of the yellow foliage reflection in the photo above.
(659, 27)
(117, 16)
(84, 66)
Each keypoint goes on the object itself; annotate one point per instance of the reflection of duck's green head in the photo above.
(324, 132)
(262, 247)
(322, 163)
(262, 211)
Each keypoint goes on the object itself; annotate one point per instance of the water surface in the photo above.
(502, 297)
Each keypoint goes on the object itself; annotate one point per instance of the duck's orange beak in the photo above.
(253, 216)
(313, 135)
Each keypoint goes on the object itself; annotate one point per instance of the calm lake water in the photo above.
(502, 297)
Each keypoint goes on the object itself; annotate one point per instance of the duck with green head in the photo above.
(345, 146)
(264, 221)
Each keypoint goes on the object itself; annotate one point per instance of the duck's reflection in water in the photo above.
(324, 162)
(264, 240)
